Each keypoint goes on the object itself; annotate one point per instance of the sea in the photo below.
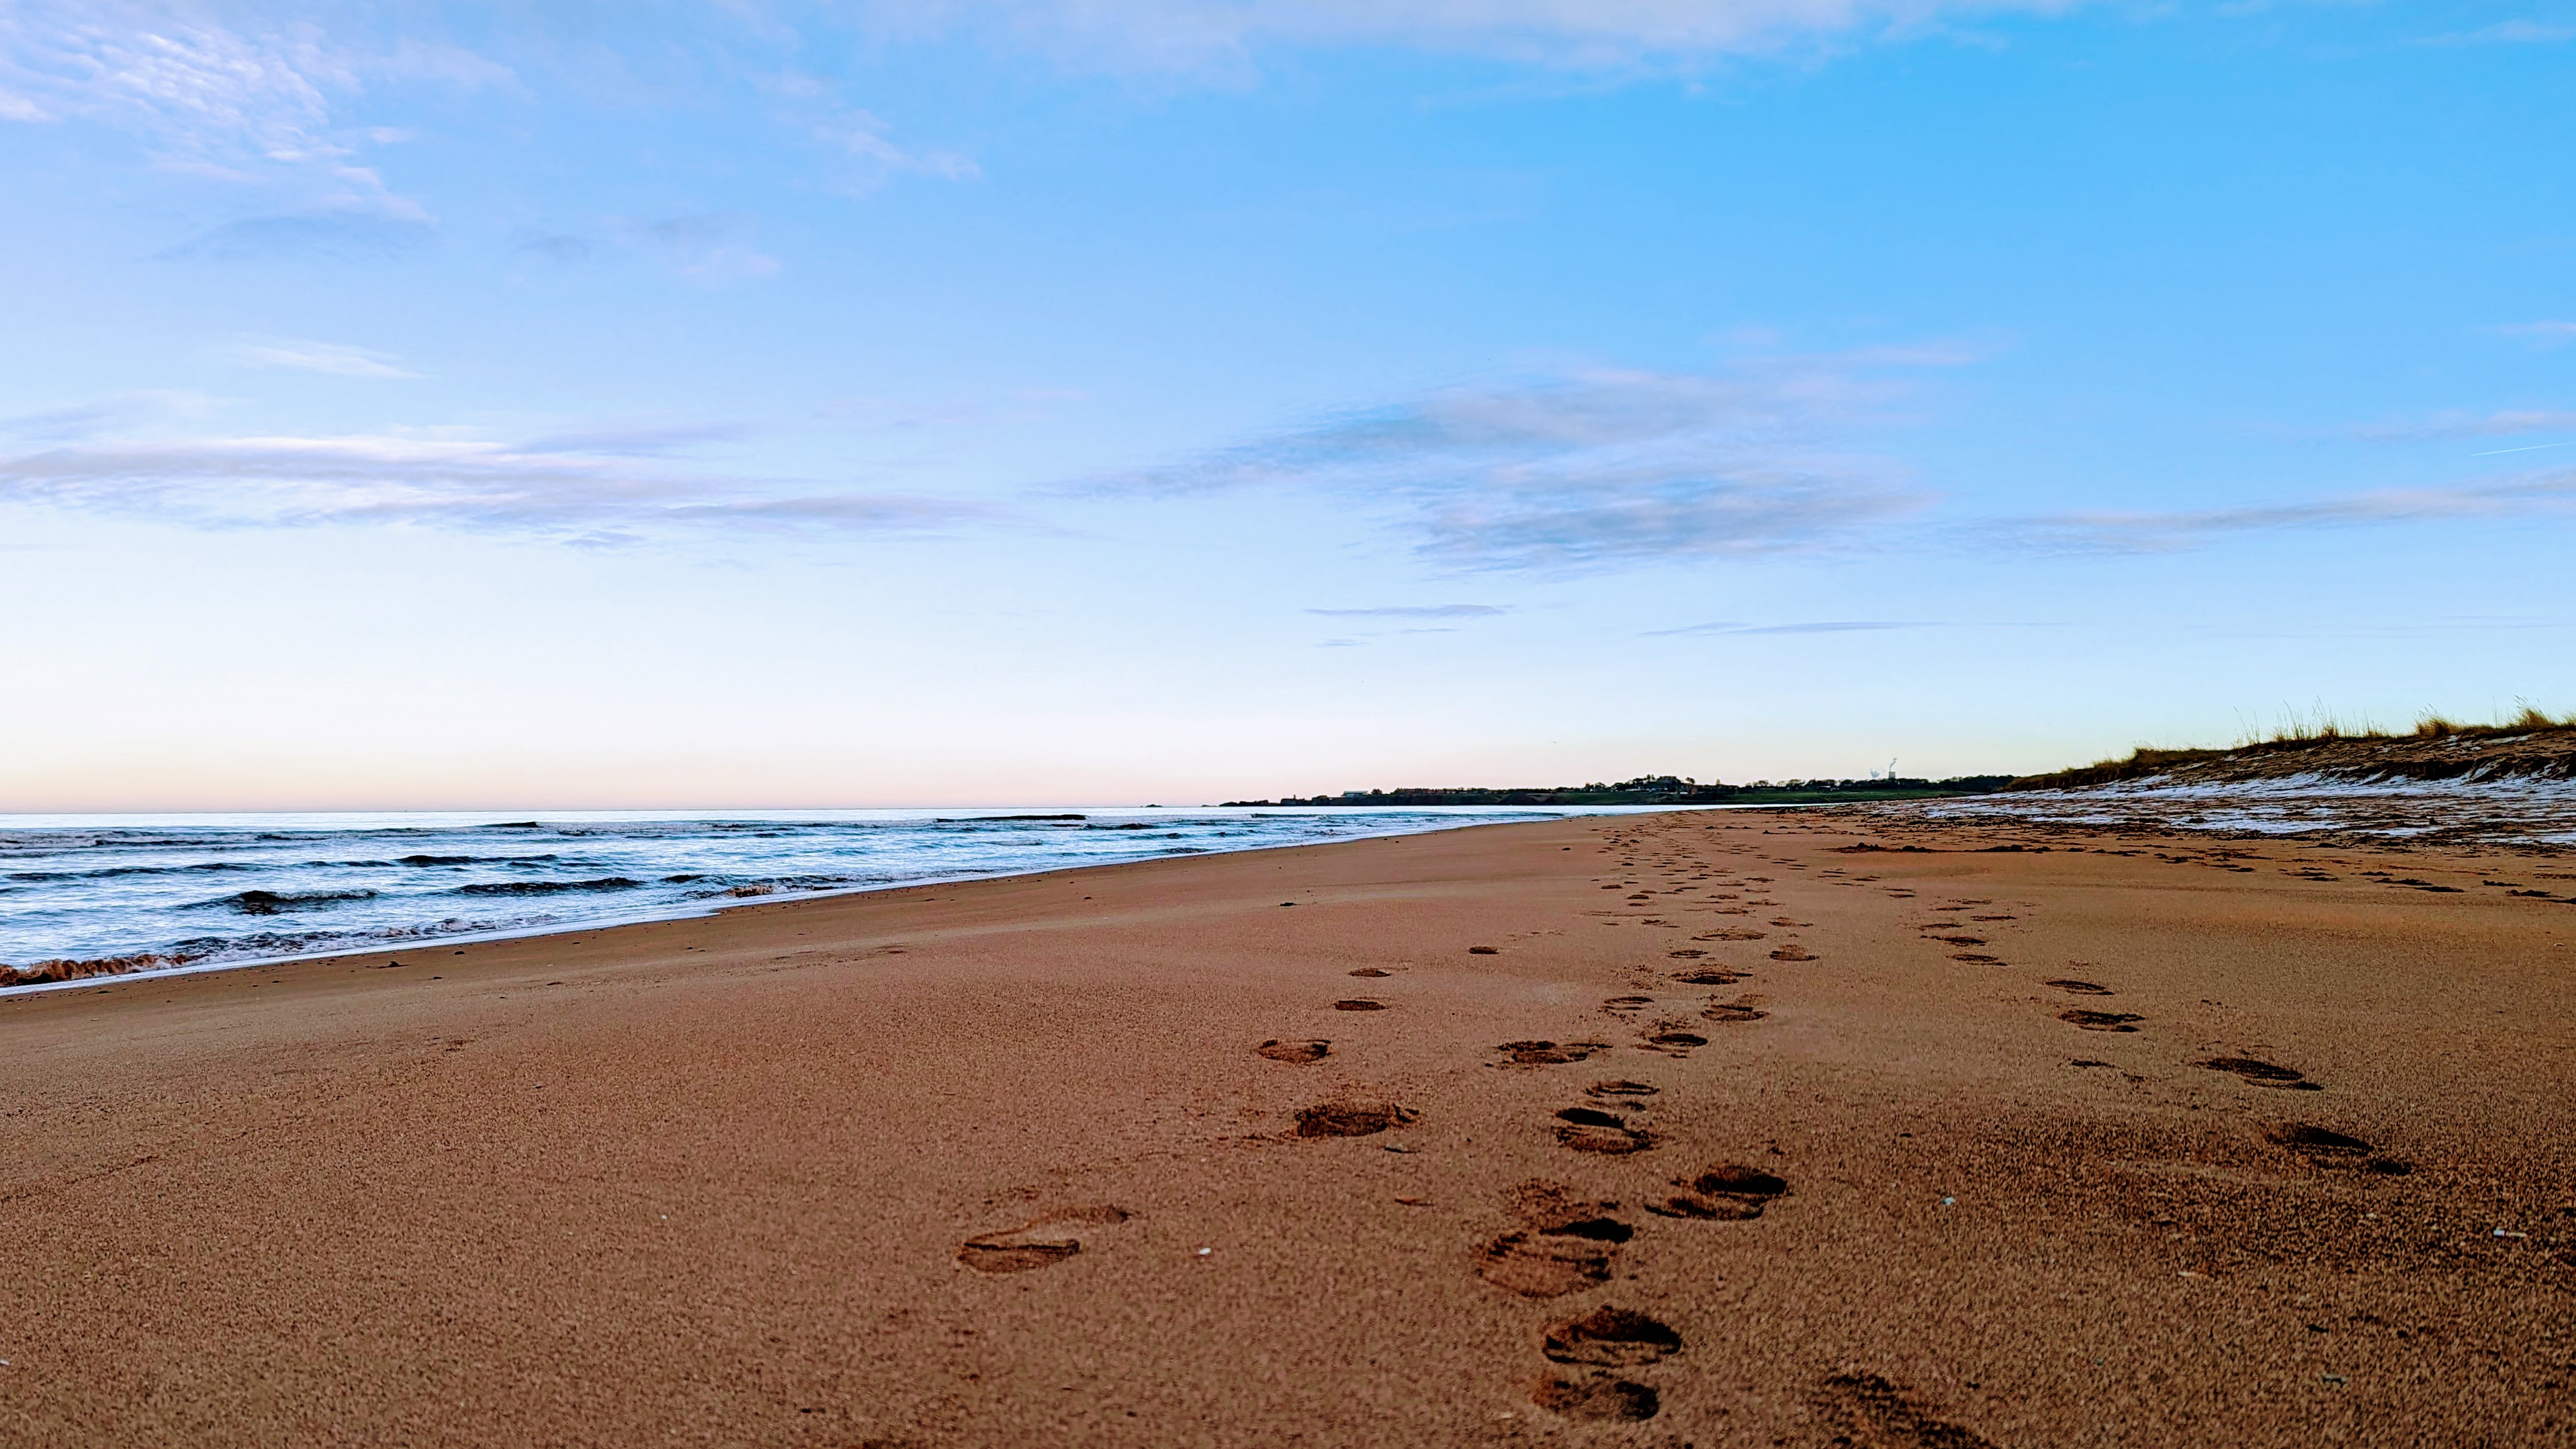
(89, 896)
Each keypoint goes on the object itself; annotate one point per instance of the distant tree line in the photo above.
(1658, 790)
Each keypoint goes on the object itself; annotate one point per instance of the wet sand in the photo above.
(1929, 1155)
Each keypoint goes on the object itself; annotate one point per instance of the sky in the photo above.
(732, 404)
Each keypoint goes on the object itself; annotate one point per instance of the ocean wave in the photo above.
(269, 903)
(115, 872)
(40, 973)
(544, 887)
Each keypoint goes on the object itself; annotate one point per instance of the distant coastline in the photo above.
(1658, 790)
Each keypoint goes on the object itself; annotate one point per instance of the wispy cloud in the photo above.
(1198, 34)
(2545, 493)
(1417, 611)
(2548, 334)
(340, 234)
(2508, 32)
(99, 417)
(437, 479)
(326, 357)
(2450, 426)
(704, 246)
(1821, 626)
(1592, 468)
(641, 440)
(713, 247)
(209, 100)
(860, 141)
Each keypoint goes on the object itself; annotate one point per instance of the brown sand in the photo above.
(1003, 1164)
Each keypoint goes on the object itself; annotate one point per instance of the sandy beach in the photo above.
(1729, 1128)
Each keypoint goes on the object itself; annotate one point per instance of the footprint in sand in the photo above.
(1732, 1011)
(1626, 1005)
(1621, 1088)
(1613, 1400)
(1358, 1003)
(2080, 988)
(1589, 1129)
(2100, 1020)
(1372, 971)
(1728, 1192)
(2261, 1073)
(1298, 1052)
(1565, 1243)
(1793, 952)
(1864, 1409)
(1548, 1053)
(1484, 950)
(1710, 978)
(1676, 1042)
(1690, 953)
(1976, 958)
(1037, 1244)
(1552, 1208)
(1350, 1119)
(1731, 935)
(2317, 1141)
(1544, 1265)
(1610, 1338)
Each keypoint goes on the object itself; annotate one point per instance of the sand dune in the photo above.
(1701, 1129)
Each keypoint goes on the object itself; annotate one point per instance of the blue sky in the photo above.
(749, 404)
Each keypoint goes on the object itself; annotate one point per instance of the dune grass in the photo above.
(2297, 733)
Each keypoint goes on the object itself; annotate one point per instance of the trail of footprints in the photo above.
(2318, 1146)
(1562, 1243)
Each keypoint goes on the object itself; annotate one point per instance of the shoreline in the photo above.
(716, 905)
(1686, 1127)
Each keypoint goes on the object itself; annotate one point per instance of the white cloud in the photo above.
(255, 108)
(326, 357)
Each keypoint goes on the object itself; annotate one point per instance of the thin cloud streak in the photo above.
(476, 485)
(101, 417)
(1199, 35)
(333, 358)
(347, 234)
(2507, 32)
(2447, 426)
(1417, 611)
(2551, 493)
(1821, 626)
(2548, 334)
